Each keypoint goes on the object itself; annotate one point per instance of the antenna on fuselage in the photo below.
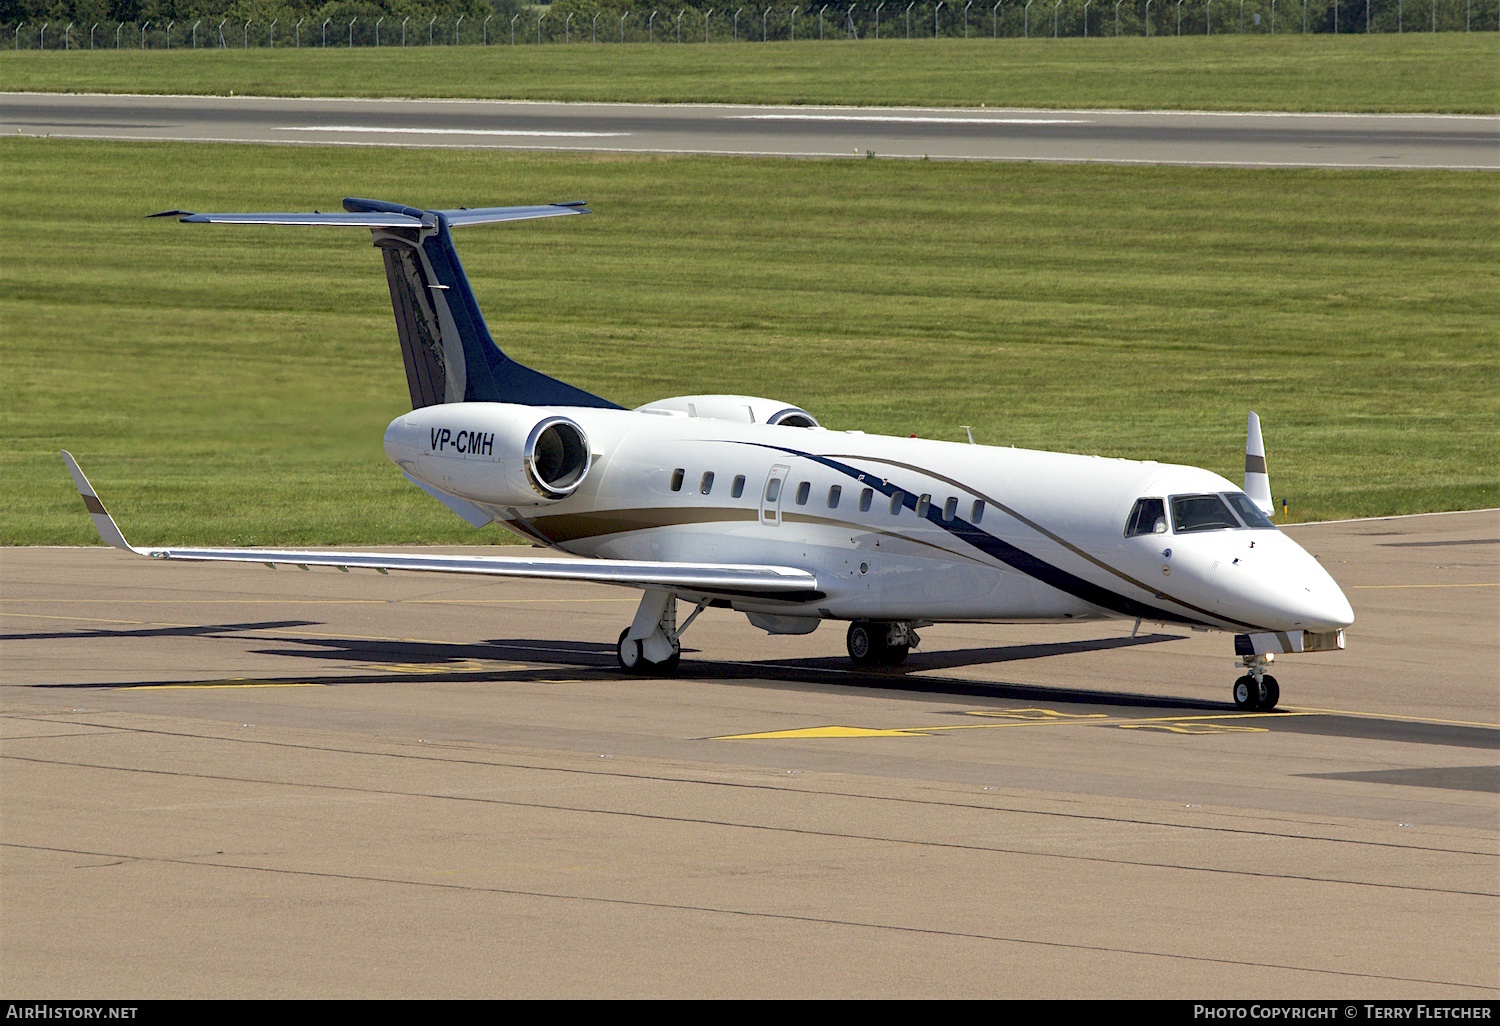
(1257, 481)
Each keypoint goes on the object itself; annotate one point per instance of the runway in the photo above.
(1149, 137)
(227, 781)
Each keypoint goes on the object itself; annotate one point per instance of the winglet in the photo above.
(1257, 481)
(103, 522)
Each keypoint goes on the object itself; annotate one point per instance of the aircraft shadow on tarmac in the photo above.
(434, 661)
(188, 631)
(819, 671)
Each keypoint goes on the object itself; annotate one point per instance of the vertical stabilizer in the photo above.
(1257, 481)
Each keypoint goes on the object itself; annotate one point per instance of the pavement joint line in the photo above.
(750, 826)
(748, 913)
(306, 601)
(758, 786)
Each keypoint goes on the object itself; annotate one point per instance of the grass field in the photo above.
(1450, 71)
(231, 385)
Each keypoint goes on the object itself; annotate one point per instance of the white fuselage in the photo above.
(895, 529)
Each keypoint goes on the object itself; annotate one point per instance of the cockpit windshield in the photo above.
(1148, 517)
(1249, 512)
(1201, 513)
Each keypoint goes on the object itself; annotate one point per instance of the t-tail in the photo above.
(447, 348)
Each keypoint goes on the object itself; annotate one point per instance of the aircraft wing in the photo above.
(728, 579)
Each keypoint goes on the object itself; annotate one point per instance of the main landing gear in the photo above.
(1256, 691)
(872, 643)
(652, 645)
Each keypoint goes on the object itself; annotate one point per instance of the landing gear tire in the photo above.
(894, 655)
(866, 643)
(628, 654)
(1270, 693)
(1246, 694)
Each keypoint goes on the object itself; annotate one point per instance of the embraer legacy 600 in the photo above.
(747, 503)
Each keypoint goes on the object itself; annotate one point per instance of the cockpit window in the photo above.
(1201, 513)
(1249, 512)
(1148, 517)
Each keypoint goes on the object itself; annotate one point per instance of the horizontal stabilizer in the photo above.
(727, 579)
(377, 214)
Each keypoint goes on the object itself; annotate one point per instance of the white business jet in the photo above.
(747, 503)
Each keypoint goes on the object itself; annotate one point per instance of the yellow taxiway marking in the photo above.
(1207, 724)
(1307, 710)
(1385, 587)
(1179, 727)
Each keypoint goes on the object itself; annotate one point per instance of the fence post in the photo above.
(68, 37)
(222, 44)
(710, 14)
(627, 14)
(96, 25)
(1026, 19)
(1208, 18)
(1054, 17)
(273, 34)
(377, 30)
(351, 31)
(456, 24)
(935, 11)
(325, 31)
(539, 27)
(296, 33)
(966, 18)
(429, 29)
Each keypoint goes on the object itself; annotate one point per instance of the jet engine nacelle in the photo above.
(492, 453)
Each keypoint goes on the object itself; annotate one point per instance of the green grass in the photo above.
(1413, 72)
(228, 384)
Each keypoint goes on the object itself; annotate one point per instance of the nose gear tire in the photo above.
(1246, 694)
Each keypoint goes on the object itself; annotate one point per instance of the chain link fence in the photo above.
(569, 22)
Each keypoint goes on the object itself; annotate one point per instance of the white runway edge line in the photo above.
(450, 131)
(905, 118)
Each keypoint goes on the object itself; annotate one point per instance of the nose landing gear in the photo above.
(872, 643)
(1256, 691)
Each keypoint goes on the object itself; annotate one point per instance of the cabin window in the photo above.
(1148, 517)
(803, 490)
(707, 484)
(976, 512)
(898, 499)
(923, 505)
(773, 490)
(1249, 512)
(833, 496)
(950, 508)
(1201, 513)
(738, 487)
(677, 479)
(865, 498)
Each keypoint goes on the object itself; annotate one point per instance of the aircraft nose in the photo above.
(1313, 600)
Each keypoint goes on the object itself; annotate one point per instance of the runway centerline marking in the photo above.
(907, 119)
(528, 133)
